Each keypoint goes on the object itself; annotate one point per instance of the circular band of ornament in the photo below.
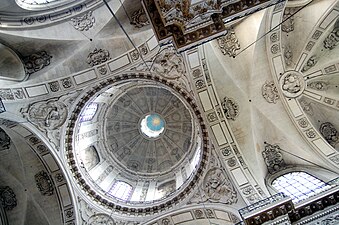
(292, 84)
(70, 155)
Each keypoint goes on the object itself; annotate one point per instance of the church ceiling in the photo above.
(180, 130)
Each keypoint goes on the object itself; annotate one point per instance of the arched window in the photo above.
(299, 185)
(89, 112)
(121, 190)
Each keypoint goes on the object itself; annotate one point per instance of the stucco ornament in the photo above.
(44, 183)
(217, 187)
(98, 56)
(47, 115)
(229, 44)
(270, 92)
(139, 18)
(7, 198)
(288, 25)
(84, 22)
(310, 63)
(169, 64)
(101, 219)
(36, 62)
(273, 158)
(292, 84)
(332, 40)
(5, 140)
(230, 107)
(331, 220)
(330, 133)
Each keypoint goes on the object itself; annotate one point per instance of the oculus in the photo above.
(152, 125)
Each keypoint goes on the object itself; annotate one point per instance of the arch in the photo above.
(299, 185)
(50, 177)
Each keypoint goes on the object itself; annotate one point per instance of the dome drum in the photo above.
(120, 165)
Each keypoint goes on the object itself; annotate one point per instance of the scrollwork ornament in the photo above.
(288, 25)
(303, 122)
(44, 183)
(330, 133)
(7, 198)
(166, 221)
(5, 140)
(169, 63)
(229, 44)
(83, 23)
(318, 85)
(310, 133)
(6, 94)
(47, 115)
(199, 214)
(270, 92)
(218, 188)
(100, 219)
(332, 40)
(292, 84)
(310, 63)
(273, 158)
(230, 107)
(139, 18)
(98, 56)
(288, 55)
(36, 62)
(54, 86)
(19, 93)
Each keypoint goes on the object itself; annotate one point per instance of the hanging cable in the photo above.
(122, 28)
(272, 29)
(307, 160)
(130, 20)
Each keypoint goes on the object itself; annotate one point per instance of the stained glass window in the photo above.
(89, 112)
(299, 185)
(121, 190)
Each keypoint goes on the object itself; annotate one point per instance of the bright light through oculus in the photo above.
(152, 125)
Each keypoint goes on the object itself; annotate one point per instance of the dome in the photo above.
(41, 4)
(144, 136)
(148, 130)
